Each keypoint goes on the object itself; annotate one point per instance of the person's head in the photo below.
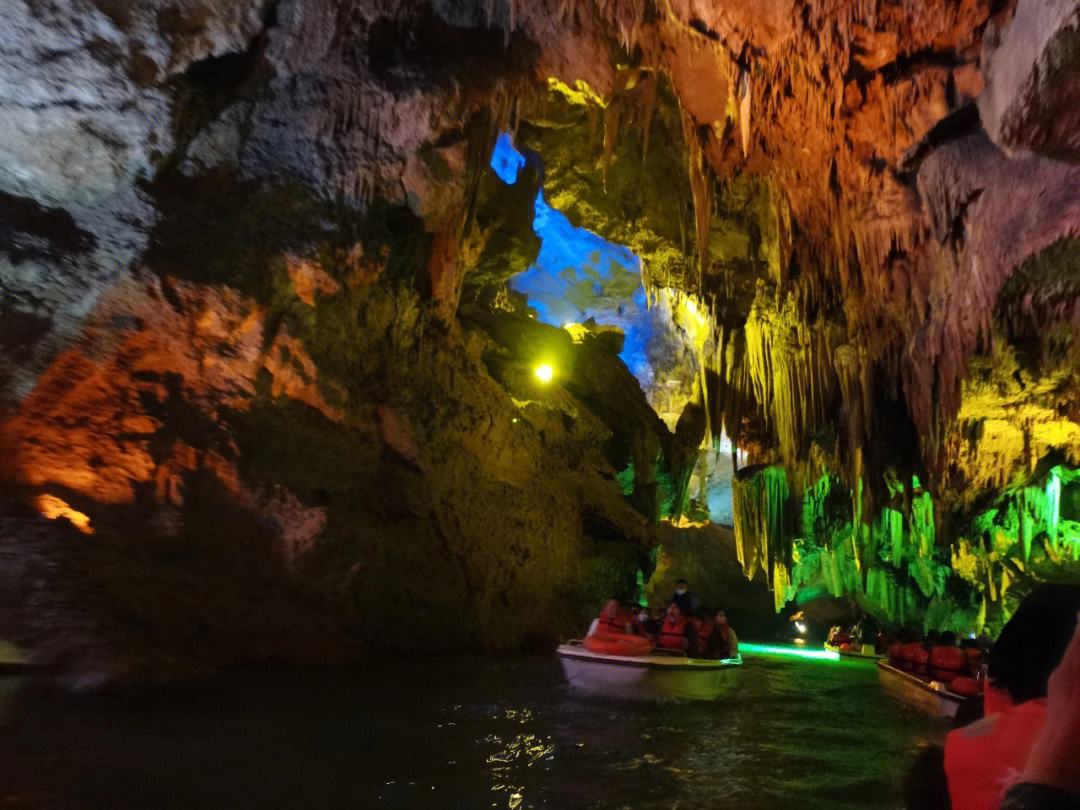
(611, 608)
(681, 586)
(1033, 642)
(720, 617)
(643, 614)
(674, 612)
(926, 786)
(948, 638)
(933, 637)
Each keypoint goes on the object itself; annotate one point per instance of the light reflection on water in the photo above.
(462, 732)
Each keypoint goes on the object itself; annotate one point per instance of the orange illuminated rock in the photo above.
(52, 507)
(308, 279)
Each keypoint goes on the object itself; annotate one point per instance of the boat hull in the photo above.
(930, 697)
(652, 676)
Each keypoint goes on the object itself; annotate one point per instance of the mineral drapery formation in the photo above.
(265, 391)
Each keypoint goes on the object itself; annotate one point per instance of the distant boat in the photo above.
(930, 696)
(867, 651)
(657, 675)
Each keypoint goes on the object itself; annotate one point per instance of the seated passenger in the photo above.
(676, 633)
(703, 623)
(983, 759)
(687, 602)
(722, 641)
(610, 620)
(644, 625)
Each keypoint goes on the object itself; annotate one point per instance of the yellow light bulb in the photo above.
(544, 372)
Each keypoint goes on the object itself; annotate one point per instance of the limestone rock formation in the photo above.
(258, 348)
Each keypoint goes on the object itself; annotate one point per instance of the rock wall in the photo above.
(254, 344)
(231, 358)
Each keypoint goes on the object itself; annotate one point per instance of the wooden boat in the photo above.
(865, 651)
(658, 675)
(930, 696)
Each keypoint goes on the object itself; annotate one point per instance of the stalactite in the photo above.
(790, 364)
(701, 192)
(611, 136)
(647, 94)
(744, 111)
(759, 500)
(922, 524)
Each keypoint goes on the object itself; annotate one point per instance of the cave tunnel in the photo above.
(354, 355)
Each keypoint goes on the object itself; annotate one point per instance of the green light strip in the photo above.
(794, 652)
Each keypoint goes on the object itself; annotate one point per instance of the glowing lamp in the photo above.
(544, 372)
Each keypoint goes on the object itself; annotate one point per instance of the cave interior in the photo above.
(313, 309)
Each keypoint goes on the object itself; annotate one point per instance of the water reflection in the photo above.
(462, 732)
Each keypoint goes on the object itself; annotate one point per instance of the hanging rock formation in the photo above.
(264, 393)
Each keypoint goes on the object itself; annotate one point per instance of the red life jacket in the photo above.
(722, 642)
(974, 658)
(984, 759)
(673, 635)
(896, 654)
(963, 685)
(996, 699)
(947, 663)
(606, 625)
(705, 629)
(907, 655)
(920, 659)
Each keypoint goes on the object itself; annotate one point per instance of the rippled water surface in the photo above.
(461, 732)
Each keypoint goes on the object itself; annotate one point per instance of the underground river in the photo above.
(461, 732)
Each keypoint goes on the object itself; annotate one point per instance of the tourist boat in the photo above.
(657, 675)
(930, 696)
(866, 651)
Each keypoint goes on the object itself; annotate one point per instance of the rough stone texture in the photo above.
(705, 557)
(1032, 78)
(238, 332)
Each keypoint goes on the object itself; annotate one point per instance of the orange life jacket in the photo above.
(947, 663)
(673, 634)
(984, 759)
(606, 625)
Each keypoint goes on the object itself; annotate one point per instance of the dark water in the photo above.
(461, 732)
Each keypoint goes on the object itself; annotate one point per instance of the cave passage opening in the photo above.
(579, 277)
